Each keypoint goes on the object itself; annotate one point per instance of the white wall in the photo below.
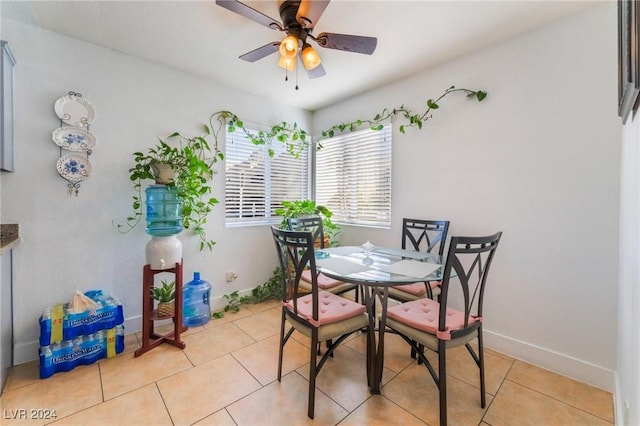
(539, 159)
(69, 242)
(628, 389)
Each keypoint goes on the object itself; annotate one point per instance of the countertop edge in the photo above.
(9, 237)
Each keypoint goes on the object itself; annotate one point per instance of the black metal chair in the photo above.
(428, 236)
(439, 327)
(313, 224)
(320, 315)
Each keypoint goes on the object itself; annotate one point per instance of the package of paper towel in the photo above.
(86, 313)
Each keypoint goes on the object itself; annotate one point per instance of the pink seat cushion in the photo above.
(417, 289)
(324, 281)
(423, 315)
(331, 308)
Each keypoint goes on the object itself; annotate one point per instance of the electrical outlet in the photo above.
(231, 276)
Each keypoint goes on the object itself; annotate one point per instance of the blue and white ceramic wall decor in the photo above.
(78, 114)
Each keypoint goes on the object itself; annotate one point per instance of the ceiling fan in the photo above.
(299, 18)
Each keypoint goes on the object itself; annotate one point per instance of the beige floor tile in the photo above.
(226, 376)
(396, 351)
(460, 365)
(379, 411)
(229, 317)
(285, 403)
(261, 325)
(62, 394)
(125, 373)
(219, 418)
(261, 358)
(343, 378)
(22, 375)
(192, 395)
(143, 406)
(414, 390)
(587, 398)
(264, 306)
(214, 342)
(517, 405)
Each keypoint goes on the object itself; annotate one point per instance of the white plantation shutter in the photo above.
(353, 177)
(255, 183)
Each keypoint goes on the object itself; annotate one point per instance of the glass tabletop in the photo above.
(378, 265)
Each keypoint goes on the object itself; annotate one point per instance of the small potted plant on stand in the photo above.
(165, 295)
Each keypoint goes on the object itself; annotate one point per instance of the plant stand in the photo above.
(151, 339)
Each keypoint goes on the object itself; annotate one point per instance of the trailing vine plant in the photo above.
(296, 138)
(412, 119)
(270, 289)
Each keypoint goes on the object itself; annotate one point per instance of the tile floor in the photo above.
(226, 375)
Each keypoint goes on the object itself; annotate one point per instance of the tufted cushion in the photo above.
(417, 289)
(324, 281)
(423, 315)
(331, 308)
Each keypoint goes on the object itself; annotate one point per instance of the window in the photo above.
(353, 177)
(256, 183)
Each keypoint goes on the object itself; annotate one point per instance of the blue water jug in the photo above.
(164, 216)
(196, 309)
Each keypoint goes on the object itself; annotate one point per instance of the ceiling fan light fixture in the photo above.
(289, 47)
(288, 64)
(310, 57)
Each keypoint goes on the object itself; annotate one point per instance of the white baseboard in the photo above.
(562, 364)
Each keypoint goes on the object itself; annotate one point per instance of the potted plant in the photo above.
(301, 208)
(190, 163)
(165, 295)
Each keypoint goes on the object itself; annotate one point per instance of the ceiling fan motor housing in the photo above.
(288, 14)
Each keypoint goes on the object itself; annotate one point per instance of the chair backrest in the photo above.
(469, 258)
(424, 235)
(295, 253)
(311, 224)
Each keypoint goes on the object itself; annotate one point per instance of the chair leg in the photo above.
(281, 349)
(442, 381)
(483, 398)
(312, 374)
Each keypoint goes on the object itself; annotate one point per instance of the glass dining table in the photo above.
(375, 269)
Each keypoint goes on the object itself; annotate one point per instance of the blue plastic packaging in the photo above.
(196, 309)
(58, 324)
(164, 216)
(82, 350)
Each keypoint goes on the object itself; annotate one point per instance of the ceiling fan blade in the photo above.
(249, 12)
(317, 72)
(310, 11)
(261, 52)
(349, 43)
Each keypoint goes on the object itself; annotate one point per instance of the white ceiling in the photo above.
(205, 39)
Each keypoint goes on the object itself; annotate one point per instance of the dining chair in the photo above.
(320, 315)
(313, 224)
(427, 236)
(439, 326)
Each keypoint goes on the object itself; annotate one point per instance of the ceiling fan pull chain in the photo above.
(297, 78)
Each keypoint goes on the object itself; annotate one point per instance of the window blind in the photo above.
(256, 183)
(353, 177)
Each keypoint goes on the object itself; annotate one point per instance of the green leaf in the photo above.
(481, 94)
(432, 104)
